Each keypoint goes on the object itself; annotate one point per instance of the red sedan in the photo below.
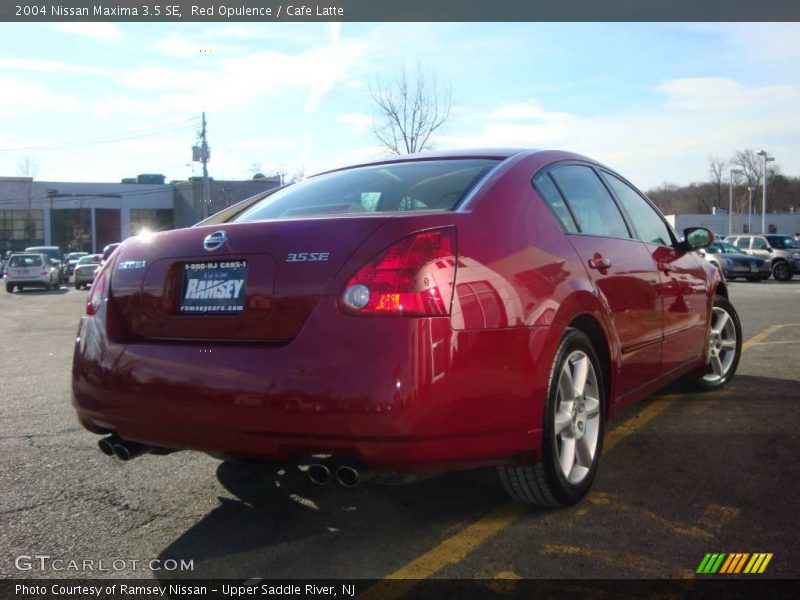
(418, 314)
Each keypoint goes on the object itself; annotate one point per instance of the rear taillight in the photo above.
(98, 292)
(412, 277)
(43, 273)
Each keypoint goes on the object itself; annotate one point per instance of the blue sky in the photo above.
(104, 101)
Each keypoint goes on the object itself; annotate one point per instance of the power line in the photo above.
(108, 139)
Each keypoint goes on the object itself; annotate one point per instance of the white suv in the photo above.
(31, 270)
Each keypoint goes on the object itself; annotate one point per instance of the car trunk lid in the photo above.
(233, 282)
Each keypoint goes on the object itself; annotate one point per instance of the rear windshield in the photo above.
(94, 259)
(25, 260)
(51, 252)
(412, 186)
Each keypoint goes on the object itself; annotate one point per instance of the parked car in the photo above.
(54, 252)
(109, 250)
(779, 250)
(86, 269)
(734, 263)
(72, 260)
(418, 314)
(29, 270)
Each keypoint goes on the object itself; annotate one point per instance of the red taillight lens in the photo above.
(413, 277)
(98, 292)
(43, 273)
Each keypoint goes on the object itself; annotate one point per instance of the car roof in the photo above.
(486, 153)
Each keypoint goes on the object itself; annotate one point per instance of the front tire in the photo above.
(572, 430)
(725, 347)
(781, 271)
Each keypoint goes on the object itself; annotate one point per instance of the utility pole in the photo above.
(204, 158)
(767, 158)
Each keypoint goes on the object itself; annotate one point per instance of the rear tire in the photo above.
(572, 431)
(725, 347)
(9, 288)
(781, 271)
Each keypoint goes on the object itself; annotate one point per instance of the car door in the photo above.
(620, 267)
(760, 247)
(682, 275)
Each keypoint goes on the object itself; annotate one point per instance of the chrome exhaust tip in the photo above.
(347, 476)
(106, 445)
(319, 474)
(125, 450)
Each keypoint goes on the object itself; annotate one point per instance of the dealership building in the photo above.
(85, 216)
(786, 223)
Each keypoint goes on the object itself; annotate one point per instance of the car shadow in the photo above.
(42, 292)
(276, 523)
(273, 509)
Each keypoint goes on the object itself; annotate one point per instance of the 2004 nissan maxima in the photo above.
(418, 314)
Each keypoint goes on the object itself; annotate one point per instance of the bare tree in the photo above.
(716, 167)
(749, 162)
(28, 167)
(407, 111)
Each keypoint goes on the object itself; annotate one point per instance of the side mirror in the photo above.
(696, 238)
(770, 250)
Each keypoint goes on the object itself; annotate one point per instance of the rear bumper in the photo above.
(37, 282)
(746, 271)
(406, 394)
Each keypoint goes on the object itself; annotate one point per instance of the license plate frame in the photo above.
(213, 287)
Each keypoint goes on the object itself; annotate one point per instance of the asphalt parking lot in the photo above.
(683, 474)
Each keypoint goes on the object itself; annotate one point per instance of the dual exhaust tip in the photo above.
(123, 449)
(346, 475)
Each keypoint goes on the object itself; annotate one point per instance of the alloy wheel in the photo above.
(577, 417)
(722, 345)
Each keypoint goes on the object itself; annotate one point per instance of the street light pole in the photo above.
(730, 199)
(749, 209)
(767, 158)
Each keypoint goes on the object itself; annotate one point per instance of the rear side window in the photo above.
(760, 244)
(412, 186)
(743, 243)
(781, 242)
(548, 190)
(649, 226)
(592, 205)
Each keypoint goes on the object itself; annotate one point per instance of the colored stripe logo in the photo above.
(734, 563)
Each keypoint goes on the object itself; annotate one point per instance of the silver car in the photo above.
(31, 270)
(86, 269)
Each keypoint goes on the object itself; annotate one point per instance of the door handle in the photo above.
(599, 262)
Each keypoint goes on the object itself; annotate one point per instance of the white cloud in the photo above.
(668, 141)
(358, 120)
(48, 66)
(23, 97)
(181, 47)
(103, 32)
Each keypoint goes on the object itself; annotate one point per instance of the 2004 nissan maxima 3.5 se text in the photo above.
(418, 314)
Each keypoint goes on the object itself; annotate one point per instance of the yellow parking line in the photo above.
(617, 559)
(458, 546)
(637, 421)
(448, 552)
(674, 527)
(758, 338)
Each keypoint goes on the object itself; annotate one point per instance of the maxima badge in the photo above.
(215, 240)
